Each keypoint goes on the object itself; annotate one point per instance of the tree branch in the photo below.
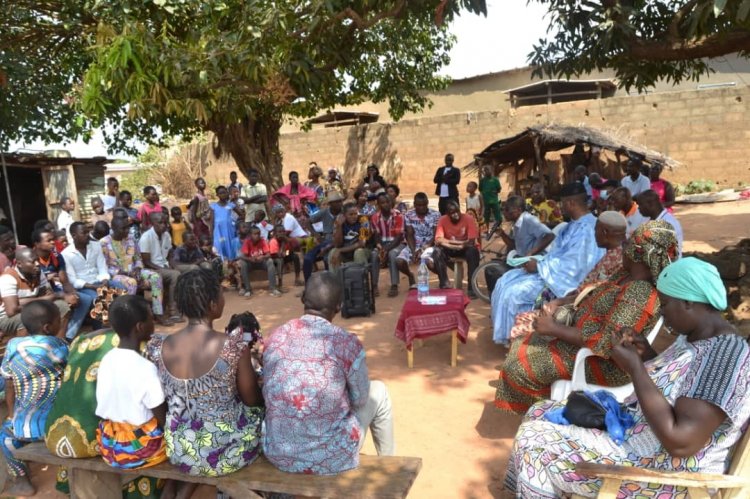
(674, 25)
(362, 23)
(709, 46)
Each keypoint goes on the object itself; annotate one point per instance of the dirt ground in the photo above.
(445, 415)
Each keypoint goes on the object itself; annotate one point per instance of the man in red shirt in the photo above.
(388, 227)
(256, 254)
(456, 237)
(282, 252)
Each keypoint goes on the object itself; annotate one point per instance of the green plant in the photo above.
(695, 187)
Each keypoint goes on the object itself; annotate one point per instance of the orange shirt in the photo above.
(465, 229)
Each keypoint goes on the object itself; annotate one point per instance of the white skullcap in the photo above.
(614, 219)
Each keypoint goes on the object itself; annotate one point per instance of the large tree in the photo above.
(145, 69)
(642, 40)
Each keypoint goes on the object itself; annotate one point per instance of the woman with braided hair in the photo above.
(214, 401)
(627, 299)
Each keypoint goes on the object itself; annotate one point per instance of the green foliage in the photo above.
(154, 68)
(644, 41)
(695, 187)
(137, 180)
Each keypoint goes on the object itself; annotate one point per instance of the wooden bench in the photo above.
(377, 476)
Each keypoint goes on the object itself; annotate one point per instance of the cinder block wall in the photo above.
(706, 130)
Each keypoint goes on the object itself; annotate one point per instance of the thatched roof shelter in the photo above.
(536, 141)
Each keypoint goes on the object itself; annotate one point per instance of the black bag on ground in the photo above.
(357, 297)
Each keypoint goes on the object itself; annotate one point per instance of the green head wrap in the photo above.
(654, 244)
(693, 280)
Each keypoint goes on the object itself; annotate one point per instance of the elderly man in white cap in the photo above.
(327, 217)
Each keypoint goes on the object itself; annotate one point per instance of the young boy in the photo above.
(474, 202)
(179, 226)
(281, 254)
(257, 255)
(129, 396)
(33, 369)
(126, 203)
(264, 225)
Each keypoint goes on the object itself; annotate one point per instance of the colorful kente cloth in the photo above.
(209, 432)
(532, 365)
(715, 370)
(129, 447)
(609, 265)
(34, 365)
(72, 423)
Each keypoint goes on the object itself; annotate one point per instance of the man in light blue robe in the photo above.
(573, 255)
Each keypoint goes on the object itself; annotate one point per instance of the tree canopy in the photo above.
(644, 41)
(158, 68)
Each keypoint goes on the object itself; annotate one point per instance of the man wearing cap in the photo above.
(572, 257)
(634, 181)
(326, 216)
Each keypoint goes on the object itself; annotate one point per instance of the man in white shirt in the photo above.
(85, 265)
(112, 198)
(651, 207)
(155, 245)
(291, 225)
(447, 179)
(255, 196)
(635, 182)
(65, 219)
(623, 202)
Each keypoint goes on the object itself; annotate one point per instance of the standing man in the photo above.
(489, 187)
(65, 218)
(456, 237)
(635, 182)
(447, 179)
(650, 206)
(155, 245)
(112, 198)
(388, 227)
(233, 181)
(255, 196)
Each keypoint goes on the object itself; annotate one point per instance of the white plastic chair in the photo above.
(562, 387)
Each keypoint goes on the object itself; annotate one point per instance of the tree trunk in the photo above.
(254, 144)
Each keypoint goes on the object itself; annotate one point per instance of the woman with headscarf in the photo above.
(690, 406)
(627, 299)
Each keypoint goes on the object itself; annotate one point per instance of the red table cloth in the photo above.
(422, 321)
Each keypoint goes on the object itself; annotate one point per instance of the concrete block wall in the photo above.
(705, 130)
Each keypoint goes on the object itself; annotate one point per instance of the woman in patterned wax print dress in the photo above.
(687, 418)
(627, 299)
(213, 397)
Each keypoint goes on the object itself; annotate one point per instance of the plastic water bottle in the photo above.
(423, 280)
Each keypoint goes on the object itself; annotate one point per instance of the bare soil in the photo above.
(445, 415)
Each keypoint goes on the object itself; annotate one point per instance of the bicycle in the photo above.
(494, 266)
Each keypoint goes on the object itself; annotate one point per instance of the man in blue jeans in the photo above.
(85, 266)
(52, 265)
(326, 217)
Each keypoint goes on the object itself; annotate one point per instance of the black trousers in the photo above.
(443, 204)
(492, 275)
(442, 255)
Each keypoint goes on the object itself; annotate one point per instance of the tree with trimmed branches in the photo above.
(145, 70)
(644, 41)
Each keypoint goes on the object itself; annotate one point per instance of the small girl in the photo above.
(179, 225)
(129, 396)
(474, 203)
(251, 335)
(33, 369)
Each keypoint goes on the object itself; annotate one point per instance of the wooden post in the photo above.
(454, 347)
(88, 484)
(610, 488)
(410, 357)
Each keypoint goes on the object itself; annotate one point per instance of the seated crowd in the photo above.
(587, 274)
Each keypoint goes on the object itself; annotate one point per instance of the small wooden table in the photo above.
(418, 321)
